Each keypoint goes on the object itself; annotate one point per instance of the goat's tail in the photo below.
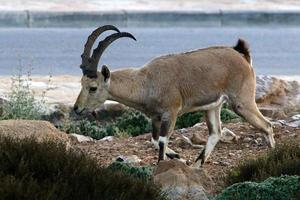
(243, 48)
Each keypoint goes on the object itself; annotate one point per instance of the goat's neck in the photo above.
(127, 87)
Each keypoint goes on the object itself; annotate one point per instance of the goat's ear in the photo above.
(105, 72)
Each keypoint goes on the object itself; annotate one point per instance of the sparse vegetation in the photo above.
(189, 119)
(143, 173)
(88, 128)
(46, 170)
(21, 103)
(274, 188)
(283, 160)
(133, 123)
(227, 115)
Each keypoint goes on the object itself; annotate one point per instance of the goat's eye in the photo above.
(93, 89)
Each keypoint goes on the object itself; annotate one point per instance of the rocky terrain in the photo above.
(278, 99)
(139, 151)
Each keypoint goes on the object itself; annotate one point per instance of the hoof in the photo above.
(173, 155)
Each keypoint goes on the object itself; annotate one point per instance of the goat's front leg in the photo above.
(156, 123)
(168, 121)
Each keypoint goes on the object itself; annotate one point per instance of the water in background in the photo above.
(57, 51)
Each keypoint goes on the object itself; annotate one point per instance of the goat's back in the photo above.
(200, 74)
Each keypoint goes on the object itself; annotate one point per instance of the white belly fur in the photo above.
(222, 99)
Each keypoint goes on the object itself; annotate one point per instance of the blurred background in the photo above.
(47, 36)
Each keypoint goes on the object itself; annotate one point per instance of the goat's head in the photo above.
(94, 84)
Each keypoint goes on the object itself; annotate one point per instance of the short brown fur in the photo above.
(172, 85)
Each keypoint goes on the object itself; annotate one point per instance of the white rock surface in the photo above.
(293, 122)
(133, 159)
(108, 138)
(80, 138)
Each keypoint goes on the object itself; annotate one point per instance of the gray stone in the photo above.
(228, 136)
(129, 159)
(293, 122)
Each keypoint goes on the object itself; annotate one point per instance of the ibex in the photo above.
(172, 85)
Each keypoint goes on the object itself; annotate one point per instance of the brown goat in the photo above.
(172, 85)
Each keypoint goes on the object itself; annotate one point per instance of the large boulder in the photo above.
(181, 182)
(40, 130)
(276, 96)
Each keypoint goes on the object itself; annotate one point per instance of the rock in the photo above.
(109, 109)
(247, 139)
(277, 95)
(40, 130)
(259, 140)
(200, 124)
(228, 136)
(293, 122)
(57, 114)
(224, 163)
(231, 154)
(196, 139)
(216, 163)
(185, 143)
(296, 117)
(108, 138)
(129, 159)
(181, 182)
(182, 131)
(272, 112)
(80, 138)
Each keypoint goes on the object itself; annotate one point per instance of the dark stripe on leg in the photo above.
(161, 151)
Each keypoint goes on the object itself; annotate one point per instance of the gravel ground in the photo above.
(250, 144)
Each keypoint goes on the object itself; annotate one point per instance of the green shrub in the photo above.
(143, 173)
(189, 119)
(133, 123)
(283, 160)
(88, 128)
(21, 103)
(228, 115)
(46, 170)
(278, 188)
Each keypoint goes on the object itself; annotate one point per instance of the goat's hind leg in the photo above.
(214, 127)
(250, 113)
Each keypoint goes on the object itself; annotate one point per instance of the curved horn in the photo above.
(94, 35)
(105, 43)
(91, 40)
